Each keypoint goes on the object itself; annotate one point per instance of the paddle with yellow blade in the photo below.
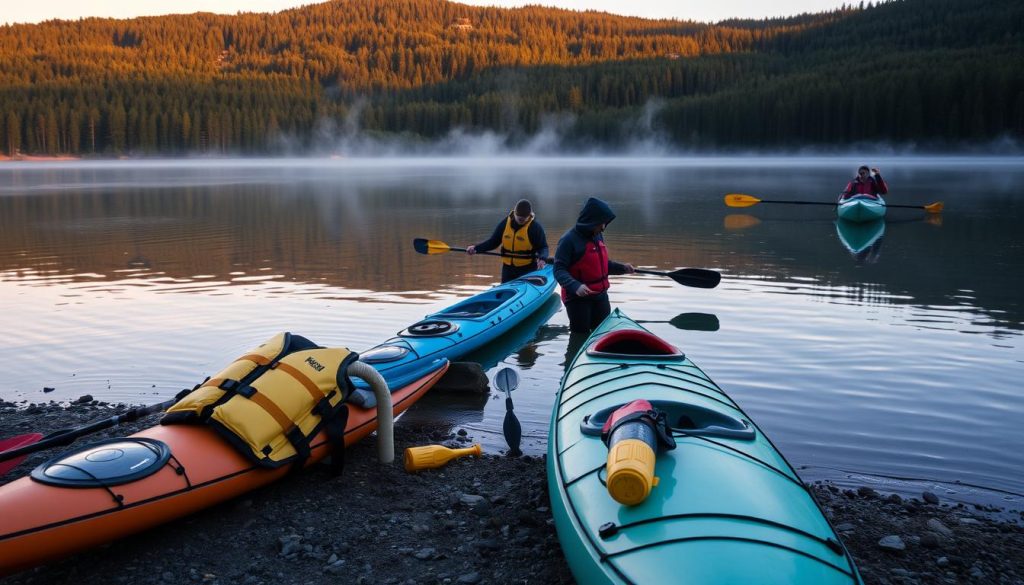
(694, 277)
(740, 200)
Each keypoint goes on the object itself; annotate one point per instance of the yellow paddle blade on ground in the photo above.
(739, 200)
(934, 207)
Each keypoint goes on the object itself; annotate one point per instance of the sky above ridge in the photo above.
(703, 10)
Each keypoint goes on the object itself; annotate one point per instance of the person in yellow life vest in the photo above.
(524, 246)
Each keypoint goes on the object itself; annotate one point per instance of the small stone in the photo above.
(930, 498)
(938, 527)
(86, 399)
(892, 543)
(866, 492)
(469, 578)
(845, 527)
(425, 553)
(48, 389)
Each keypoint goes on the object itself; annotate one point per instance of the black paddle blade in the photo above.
(511, 429)
(696, 277)
(695, 322)
(420, 245)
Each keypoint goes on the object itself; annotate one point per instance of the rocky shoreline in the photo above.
(483, 520)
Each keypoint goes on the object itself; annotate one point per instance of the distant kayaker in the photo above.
(867, 182)
(523, 242)
(582, 267)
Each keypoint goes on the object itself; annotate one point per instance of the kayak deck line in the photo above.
(830, 542)
(607, 557)
(704, 381)
(569, 411)
(683, 434)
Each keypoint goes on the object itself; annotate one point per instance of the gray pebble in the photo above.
(892, 542)
(938, 527)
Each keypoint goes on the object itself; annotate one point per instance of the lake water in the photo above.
(898, 366)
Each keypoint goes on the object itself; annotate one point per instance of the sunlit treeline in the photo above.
(900, 71)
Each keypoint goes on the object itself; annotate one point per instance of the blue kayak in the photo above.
(723, 507)
(456, 331)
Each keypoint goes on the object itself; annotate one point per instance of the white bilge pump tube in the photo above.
(385, 413)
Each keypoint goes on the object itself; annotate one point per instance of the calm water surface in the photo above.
(897, 363)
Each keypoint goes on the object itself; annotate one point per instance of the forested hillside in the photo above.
(938, 72)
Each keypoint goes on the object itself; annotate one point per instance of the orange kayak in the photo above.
(199, 469)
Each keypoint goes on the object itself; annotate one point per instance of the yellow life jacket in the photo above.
(272, 401)
(517, 241)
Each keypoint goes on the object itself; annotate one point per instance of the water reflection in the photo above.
(522, 341)
(863, 240)
(131, 281)
(196, 229)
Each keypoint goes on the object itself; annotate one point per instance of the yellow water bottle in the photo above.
(431, 456)
(632, 436)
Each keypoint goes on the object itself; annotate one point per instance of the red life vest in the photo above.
(872, 188)
(591, 269)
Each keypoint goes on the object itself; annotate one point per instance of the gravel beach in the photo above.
(476, 520)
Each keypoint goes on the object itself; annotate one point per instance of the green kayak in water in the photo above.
(723, 505)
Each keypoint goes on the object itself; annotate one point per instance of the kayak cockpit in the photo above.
(633, 343)
(682, 418)
(478, 306)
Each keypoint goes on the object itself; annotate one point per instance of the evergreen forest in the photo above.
(923, 73)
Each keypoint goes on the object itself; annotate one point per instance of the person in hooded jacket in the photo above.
(867, 183)
(523, 242)
(582, 266)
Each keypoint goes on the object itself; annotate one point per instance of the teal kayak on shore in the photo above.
(726, 508)
(861, 208)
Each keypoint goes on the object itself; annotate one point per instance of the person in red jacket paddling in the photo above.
(867, 183)
(582, 266)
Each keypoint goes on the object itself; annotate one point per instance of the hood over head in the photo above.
(594, 213)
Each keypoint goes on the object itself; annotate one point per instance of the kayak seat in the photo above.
(634, 343)
(470, 310)
(477, 307)
(683, 418)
